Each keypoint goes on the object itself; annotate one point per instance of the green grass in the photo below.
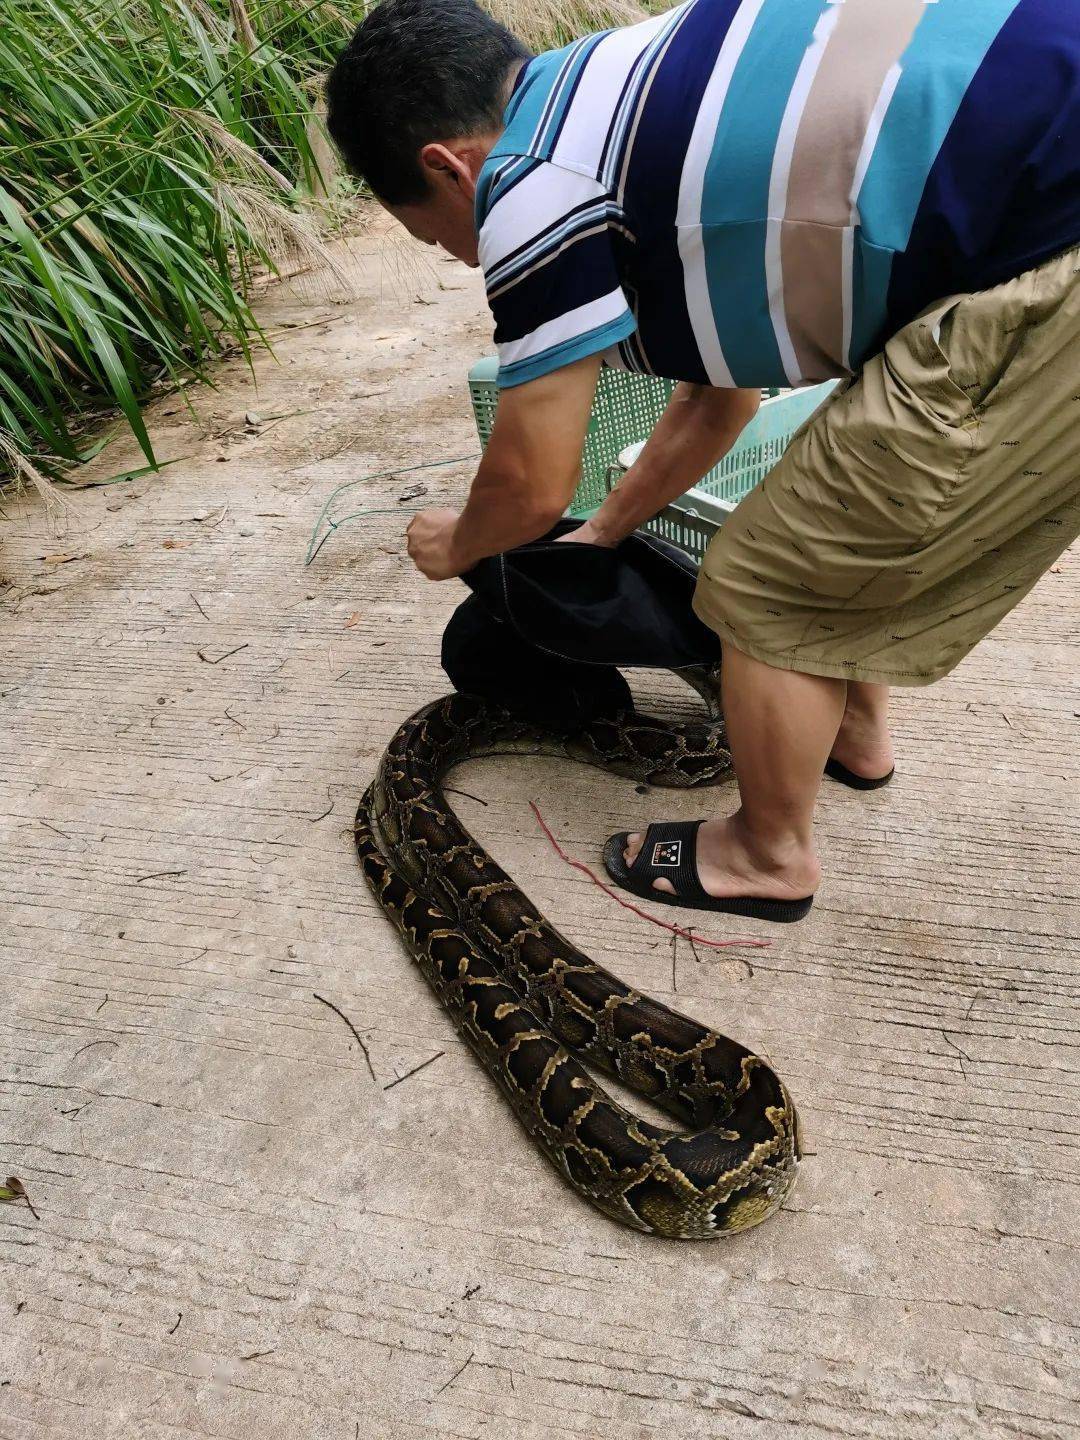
(152, 156)
(155, 155)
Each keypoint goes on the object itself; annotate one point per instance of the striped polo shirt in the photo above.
(760, 192)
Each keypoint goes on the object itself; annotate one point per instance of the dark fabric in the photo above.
(548, 623)
(484, 656)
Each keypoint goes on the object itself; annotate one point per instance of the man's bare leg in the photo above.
(781, 727)
(864, 744)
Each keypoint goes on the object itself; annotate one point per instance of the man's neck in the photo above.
(511, 80)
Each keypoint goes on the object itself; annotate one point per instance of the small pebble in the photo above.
(291, 952)
(247, 533)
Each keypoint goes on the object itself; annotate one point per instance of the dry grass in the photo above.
(545, 23)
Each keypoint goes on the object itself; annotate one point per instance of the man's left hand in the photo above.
(431, 544)
(589, 534)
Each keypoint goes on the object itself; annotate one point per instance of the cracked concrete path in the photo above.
(244, 1229)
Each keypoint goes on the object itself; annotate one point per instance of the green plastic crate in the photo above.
(624, 414)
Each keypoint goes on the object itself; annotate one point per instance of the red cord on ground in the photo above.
(690, 935)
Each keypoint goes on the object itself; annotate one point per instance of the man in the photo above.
(770, 192)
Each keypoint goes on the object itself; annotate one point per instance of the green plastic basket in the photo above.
(624, 414)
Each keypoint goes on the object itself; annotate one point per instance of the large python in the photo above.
(526, 999)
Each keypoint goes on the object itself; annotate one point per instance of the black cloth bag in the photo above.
(547, 624)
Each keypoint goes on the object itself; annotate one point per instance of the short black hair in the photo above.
(416, 71)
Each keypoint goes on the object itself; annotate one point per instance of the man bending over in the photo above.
(746, 193)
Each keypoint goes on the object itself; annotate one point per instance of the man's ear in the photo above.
(454, 166)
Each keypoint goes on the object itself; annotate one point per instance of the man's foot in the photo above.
(863, 745)
(729, 864)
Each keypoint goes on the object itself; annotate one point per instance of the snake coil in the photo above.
(530, 1003)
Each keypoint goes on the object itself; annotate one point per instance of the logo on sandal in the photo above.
(667, 852)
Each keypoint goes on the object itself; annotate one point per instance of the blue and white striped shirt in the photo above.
(759, 192)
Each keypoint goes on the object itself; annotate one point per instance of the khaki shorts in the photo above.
(922, 501)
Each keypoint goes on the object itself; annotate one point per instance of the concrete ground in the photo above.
(243, 1231)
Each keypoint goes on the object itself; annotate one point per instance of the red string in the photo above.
(690, 935)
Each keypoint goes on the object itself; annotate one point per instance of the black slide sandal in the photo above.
(836, 771)
(670, 850)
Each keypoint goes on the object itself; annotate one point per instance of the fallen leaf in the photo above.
(62, 559)
(14, 1189)
(175, 544)
(354, 619)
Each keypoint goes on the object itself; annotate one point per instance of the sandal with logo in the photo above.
(670, 851)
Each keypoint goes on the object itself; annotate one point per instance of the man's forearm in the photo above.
(502, 513)
(532, 463)
(698, 428)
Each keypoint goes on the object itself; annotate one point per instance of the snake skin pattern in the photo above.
(530, 1003)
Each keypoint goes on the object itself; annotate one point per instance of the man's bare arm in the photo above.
(532, 463)
(698, 428)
